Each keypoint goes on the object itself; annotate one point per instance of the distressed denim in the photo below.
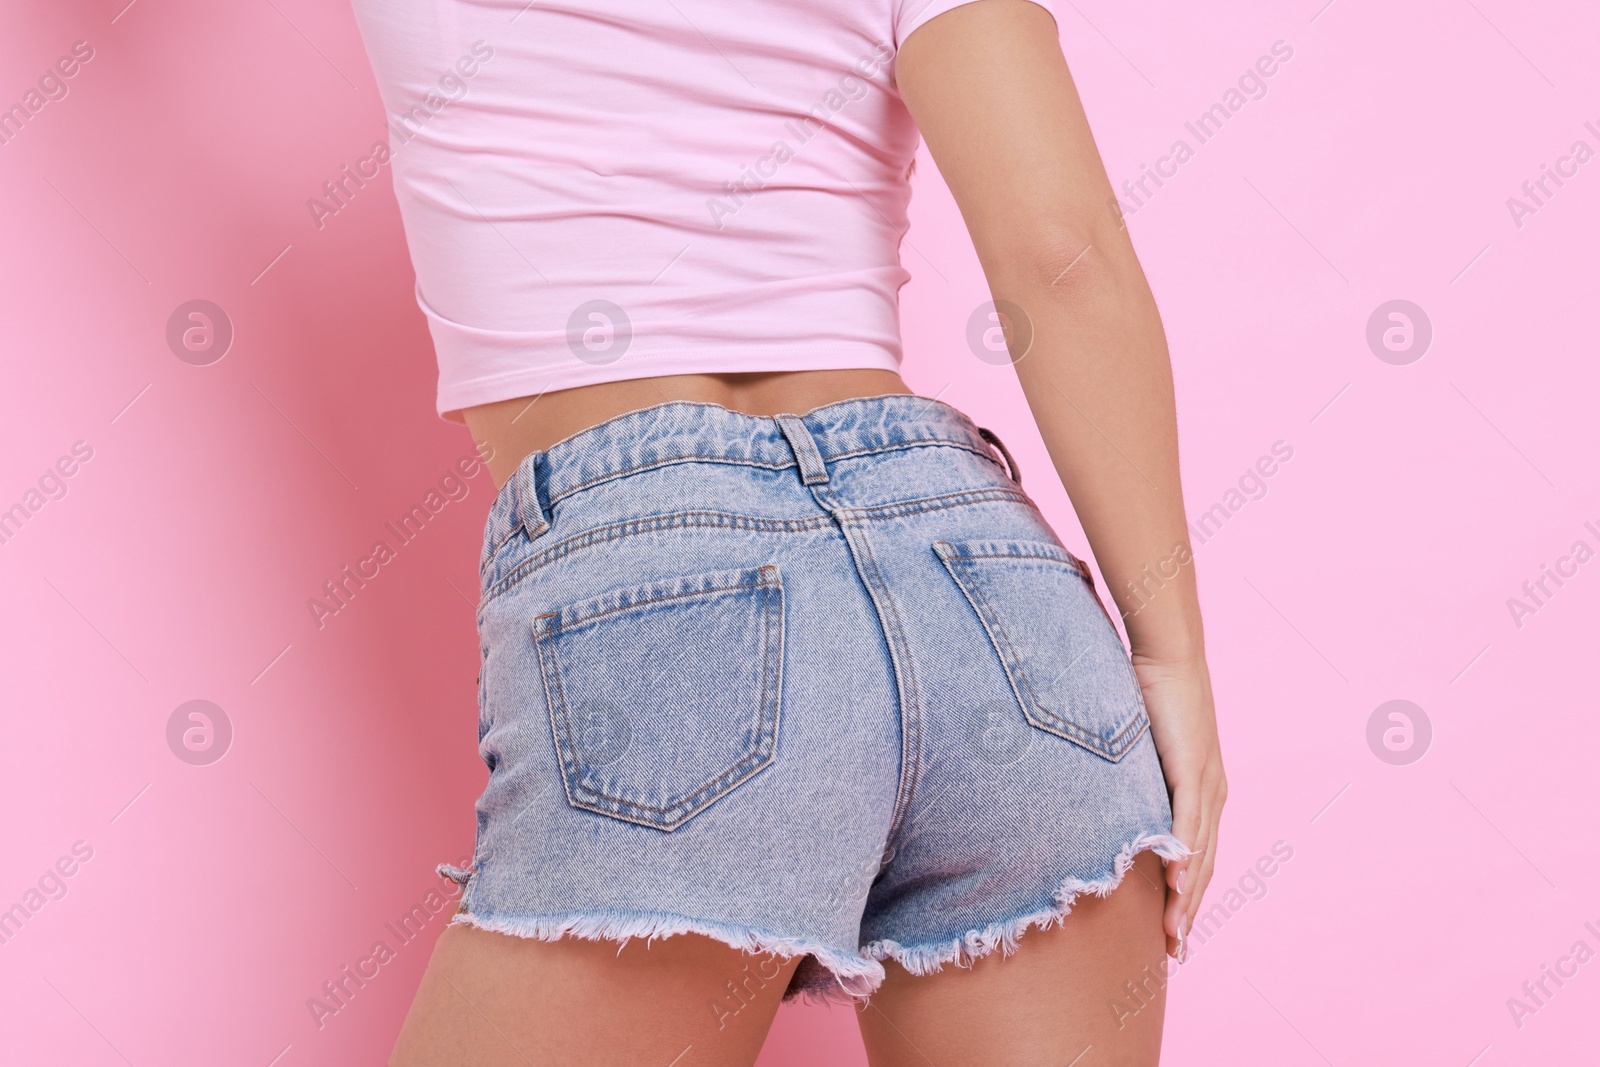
(825, 685)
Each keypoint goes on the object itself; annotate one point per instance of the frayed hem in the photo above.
(975, 944)
(854, 976)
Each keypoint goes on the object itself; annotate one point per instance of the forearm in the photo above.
(997, 106)
(1099, 383)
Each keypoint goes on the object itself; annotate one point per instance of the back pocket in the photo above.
(1064, 659)
(664, 697)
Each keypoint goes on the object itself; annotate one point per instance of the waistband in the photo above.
(686, 431)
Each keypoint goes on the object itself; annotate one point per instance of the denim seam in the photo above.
(772, 680)
(1063, 555)
(918, 442)
(865, 565)
(1112, 749)
(494, 550)
(769, 579)
(555, 705)
(657, 523)
(910, 698)
(725, 782)
(650, 524)
(484, 725)
(720, 786)
(1019, 555)
(890, 398)
(464, 877)
(934, 503)
(693, 457)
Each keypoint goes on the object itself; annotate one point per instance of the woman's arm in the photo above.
(989, 88)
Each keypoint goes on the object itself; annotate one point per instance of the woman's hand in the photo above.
(1184, 726)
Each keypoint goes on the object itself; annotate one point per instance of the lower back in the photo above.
(509, 430)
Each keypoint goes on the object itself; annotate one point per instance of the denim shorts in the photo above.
(822, 685)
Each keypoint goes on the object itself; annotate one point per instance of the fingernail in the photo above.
(1181, 872)
(1183, 944)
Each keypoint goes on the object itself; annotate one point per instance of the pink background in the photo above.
(219, 498)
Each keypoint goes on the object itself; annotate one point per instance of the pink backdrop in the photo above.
(177, 517)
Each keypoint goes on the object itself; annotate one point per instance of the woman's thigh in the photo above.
(1063, 998)
(489, 999)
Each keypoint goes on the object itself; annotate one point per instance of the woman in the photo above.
(787, 685)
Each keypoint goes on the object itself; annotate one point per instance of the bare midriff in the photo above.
(509, 430)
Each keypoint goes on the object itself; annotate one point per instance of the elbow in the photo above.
(1073, 263)
(1054, 248)
(1074, 280)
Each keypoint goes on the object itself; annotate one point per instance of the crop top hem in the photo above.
(931, 9)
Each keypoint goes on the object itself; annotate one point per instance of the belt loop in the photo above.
(812, 469)
(1011, 463)
(525, 493)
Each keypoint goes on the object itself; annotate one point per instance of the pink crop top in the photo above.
(622, 189)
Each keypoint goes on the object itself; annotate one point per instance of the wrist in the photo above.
(1168, 634)
(1187, 656)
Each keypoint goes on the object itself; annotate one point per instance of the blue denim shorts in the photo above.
(822, 685)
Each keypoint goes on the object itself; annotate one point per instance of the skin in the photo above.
(1047, 1003)
(490, 1000)
(989, 88)
(509, 430)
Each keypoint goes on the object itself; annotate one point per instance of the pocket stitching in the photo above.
(1005, 649)
(550, 628)
(1047, 551)
(769, 589)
